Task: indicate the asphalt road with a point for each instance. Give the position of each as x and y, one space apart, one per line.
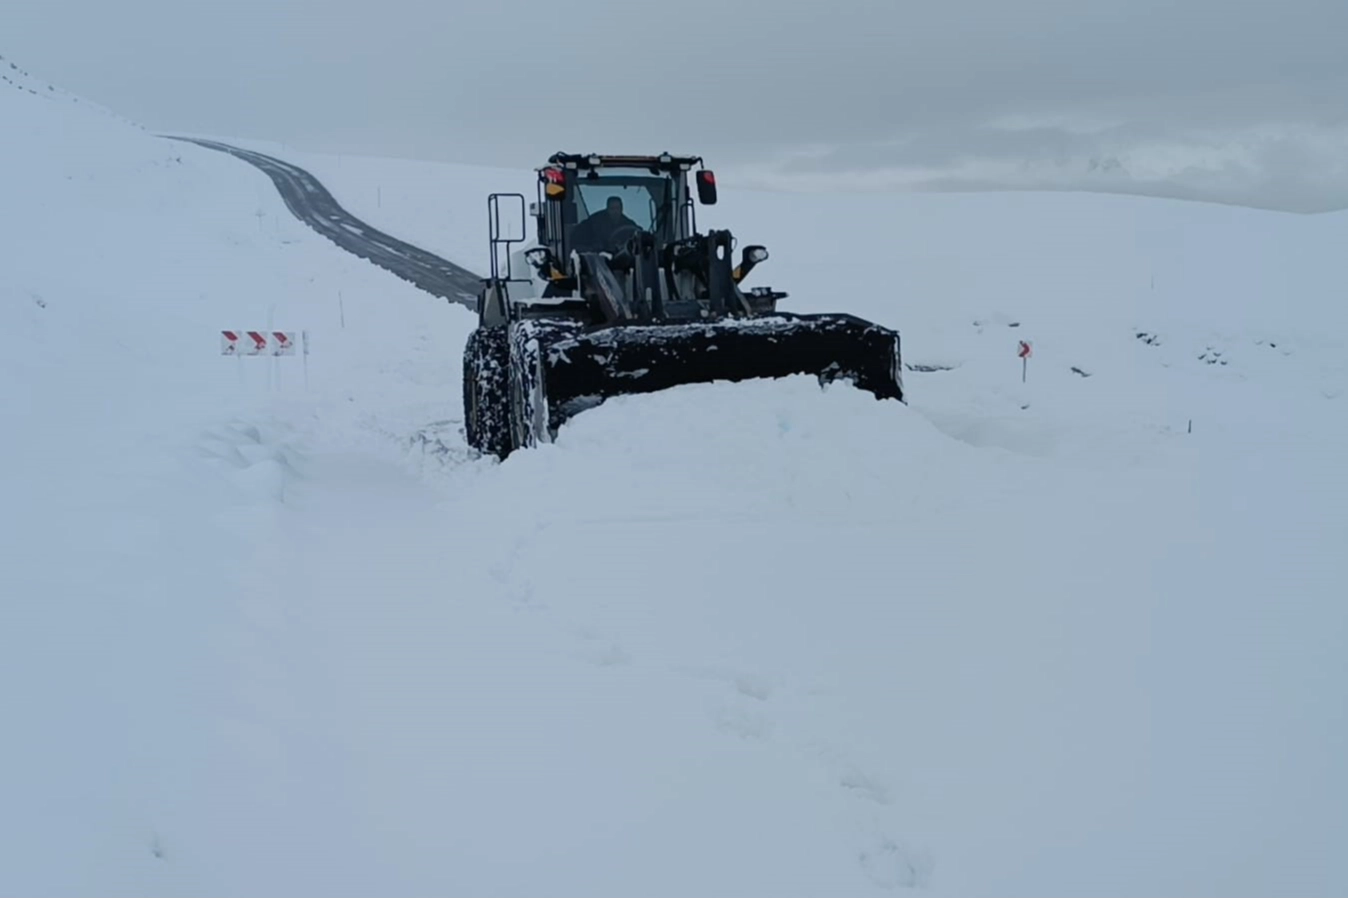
311 203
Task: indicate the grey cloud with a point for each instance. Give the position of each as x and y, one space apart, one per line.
744 82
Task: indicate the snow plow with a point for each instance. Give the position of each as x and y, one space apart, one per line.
618 293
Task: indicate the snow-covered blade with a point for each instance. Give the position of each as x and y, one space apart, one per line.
583 368
523 381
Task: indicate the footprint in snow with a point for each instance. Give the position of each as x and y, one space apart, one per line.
753 687
600 651
747 684
893 866
851 778
522 597
608 656
866 787
745 723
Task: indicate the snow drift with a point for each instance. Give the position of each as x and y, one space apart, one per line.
1078 634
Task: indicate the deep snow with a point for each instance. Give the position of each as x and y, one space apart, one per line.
762 638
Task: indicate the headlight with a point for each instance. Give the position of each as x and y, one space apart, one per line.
756 254
537 257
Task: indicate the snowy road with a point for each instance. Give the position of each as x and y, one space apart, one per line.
312 204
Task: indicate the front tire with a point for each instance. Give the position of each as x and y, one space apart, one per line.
528 391
487 414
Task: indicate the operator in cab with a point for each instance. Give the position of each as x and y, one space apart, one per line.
596 233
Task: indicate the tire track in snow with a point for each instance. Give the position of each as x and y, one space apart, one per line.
310 202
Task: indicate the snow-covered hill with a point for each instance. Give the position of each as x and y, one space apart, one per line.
1010 638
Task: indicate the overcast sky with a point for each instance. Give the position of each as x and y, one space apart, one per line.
1245 100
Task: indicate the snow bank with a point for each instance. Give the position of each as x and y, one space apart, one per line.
141 479
1026 666
1013 637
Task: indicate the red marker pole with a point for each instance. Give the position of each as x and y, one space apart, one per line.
1024 352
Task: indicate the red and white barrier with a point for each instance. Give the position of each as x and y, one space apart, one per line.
257 343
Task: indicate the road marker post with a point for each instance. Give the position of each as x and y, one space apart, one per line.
264 343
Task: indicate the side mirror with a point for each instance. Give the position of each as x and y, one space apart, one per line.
706 187
752 255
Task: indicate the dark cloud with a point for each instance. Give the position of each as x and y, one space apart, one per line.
870 84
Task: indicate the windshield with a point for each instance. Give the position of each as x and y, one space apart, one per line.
643 198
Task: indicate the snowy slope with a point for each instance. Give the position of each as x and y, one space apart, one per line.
762 638
131 680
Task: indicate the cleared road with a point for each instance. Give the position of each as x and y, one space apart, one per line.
311 203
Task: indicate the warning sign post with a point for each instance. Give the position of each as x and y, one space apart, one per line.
1024 351
265 343
258 343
